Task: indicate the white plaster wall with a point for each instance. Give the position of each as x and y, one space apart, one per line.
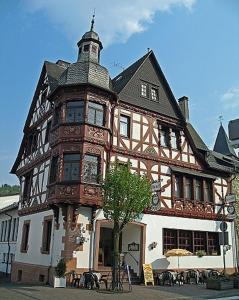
154 230
4 245
34 255
83 257
131 233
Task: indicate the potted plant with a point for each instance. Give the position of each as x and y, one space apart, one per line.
60 270
220 283
200 253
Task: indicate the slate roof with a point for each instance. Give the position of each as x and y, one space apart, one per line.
54 71
120 81
147 69
222 143
85 72
198 142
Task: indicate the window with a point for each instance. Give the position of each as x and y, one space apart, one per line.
185 240
208 191
43 96
96 114
25 236
199 241
57 116
178 186
164 137
143 89
154 94
2 230
198 190
86 48
169 239
72 166
27 186
32 143
46 235
91 168
124 125
15 229
175 139
75 111
94 49
213 243
48 128
54 169
188 188
193 241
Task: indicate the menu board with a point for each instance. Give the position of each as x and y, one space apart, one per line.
148 274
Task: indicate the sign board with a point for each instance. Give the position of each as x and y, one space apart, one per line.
221 238
133 247
148 274
230 198
231 216
156 186
223 226
155 203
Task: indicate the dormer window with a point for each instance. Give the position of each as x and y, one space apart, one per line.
143 89
86 48
154 94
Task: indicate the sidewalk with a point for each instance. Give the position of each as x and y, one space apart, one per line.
188 292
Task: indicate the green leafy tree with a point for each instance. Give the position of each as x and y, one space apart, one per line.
125 196
8 190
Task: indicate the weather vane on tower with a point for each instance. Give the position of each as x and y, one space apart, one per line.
92 21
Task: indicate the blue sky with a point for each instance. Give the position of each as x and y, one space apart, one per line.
195 41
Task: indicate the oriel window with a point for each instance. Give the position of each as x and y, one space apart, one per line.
71 167
75 111
54 169
91 168
124 125
96 113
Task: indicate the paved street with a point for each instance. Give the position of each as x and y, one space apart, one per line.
19 291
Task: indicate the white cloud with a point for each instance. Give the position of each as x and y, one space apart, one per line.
230 99
116 21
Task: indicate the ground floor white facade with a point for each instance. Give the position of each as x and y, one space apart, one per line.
142 241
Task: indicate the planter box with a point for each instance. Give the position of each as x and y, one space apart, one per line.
220 284
59 282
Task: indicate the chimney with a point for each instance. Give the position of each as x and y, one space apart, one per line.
183 104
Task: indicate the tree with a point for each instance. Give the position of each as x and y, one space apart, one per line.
125 196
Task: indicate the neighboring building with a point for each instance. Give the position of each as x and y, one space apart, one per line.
80 121
230 147
8 232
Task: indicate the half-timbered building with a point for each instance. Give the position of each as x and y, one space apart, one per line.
79 122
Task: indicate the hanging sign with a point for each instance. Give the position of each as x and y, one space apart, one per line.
148 274
231 212
230 198
155 186
133 247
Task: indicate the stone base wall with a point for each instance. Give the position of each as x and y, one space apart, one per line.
29 273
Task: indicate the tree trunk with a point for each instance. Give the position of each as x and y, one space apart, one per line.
115 270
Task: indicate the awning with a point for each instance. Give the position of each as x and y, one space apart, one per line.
191 172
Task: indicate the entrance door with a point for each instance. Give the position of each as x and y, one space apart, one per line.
106 247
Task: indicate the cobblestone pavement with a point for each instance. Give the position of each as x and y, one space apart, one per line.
188 292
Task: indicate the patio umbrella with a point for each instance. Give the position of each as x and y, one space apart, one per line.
178 253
